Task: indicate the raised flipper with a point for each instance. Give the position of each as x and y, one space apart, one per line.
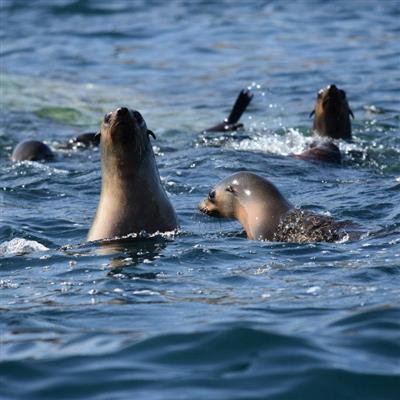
231 123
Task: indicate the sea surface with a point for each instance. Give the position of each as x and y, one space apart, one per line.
203 313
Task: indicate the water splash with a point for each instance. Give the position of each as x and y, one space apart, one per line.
293 141
20 246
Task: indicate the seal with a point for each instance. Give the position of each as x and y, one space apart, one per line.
132 197
332 114
32 150
324 151
231 123
265 214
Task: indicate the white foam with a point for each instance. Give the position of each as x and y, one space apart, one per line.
19 246
292 141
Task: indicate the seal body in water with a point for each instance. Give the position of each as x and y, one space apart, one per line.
264 212
132 197
332 114
325 151
32 150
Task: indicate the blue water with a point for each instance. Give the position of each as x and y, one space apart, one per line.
204 313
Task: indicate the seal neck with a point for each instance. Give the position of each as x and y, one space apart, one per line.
260 220
125 176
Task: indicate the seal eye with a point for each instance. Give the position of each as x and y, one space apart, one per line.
211 195
107 118
230 189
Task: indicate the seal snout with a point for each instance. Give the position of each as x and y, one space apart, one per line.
121 111
333 88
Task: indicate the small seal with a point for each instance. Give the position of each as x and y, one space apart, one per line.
132 197
332 114
232 122
32 150
265 214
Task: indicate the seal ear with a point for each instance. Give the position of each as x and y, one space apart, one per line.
151 133
311 113
351 112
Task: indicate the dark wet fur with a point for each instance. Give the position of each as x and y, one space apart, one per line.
298 226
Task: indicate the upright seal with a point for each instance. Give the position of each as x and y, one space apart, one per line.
332 114
132 196
331 121
265 214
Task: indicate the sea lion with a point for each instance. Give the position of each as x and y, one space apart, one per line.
332 114
324 151
239 107
264 212
132 197
32 150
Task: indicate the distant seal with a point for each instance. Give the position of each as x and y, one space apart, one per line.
264 212
32 150
132 196
332 114
232 122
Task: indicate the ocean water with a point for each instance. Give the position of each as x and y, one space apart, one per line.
204 313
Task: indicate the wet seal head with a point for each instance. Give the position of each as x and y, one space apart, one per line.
332 114
132 197
125 130
32 150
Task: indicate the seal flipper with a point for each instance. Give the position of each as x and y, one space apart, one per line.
241 103
239 107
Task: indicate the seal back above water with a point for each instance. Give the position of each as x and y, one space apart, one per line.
324 151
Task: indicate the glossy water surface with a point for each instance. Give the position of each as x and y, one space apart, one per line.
203 313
